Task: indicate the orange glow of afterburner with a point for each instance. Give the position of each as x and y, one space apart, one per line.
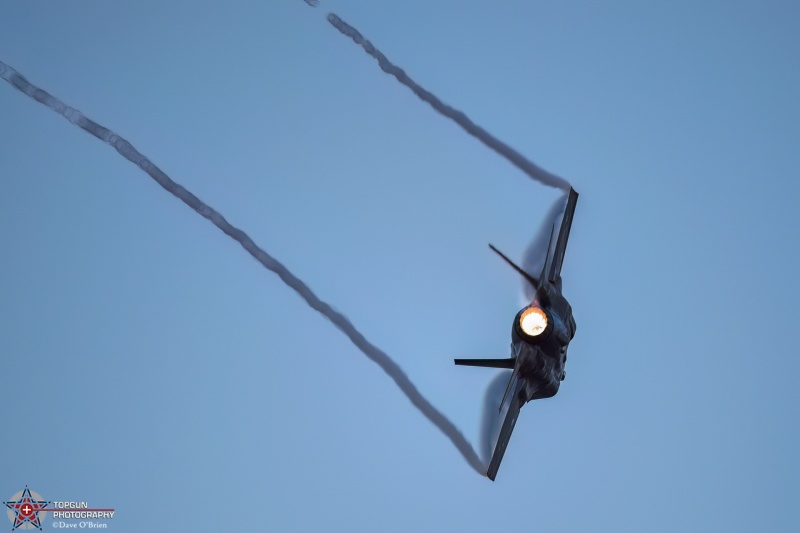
533 321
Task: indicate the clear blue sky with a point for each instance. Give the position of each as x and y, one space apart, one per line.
150 363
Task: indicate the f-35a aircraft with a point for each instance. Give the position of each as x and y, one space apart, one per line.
540 336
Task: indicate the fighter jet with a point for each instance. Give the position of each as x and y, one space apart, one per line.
540 336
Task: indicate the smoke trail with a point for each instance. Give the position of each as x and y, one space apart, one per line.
130 153
514 157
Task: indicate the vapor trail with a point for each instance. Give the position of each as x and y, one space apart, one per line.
340 321
514 157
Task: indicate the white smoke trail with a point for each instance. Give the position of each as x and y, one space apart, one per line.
339 320
514 157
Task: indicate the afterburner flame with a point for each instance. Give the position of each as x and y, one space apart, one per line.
533 321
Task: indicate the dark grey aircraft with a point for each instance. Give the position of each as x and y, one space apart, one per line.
540 336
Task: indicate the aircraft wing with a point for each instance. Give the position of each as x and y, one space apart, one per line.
563 235
505 433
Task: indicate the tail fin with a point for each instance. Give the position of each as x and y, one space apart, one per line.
510 363
533 281
488 363
557 260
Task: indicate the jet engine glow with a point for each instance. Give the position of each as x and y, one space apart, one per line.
533 321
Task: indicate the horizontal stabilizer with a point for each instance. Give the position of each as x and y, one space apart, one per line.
489 363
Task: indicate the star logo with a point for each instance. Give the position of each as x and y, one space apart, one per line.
24 509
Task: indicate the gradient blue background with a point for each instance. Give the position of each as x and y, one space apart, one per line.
151 365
